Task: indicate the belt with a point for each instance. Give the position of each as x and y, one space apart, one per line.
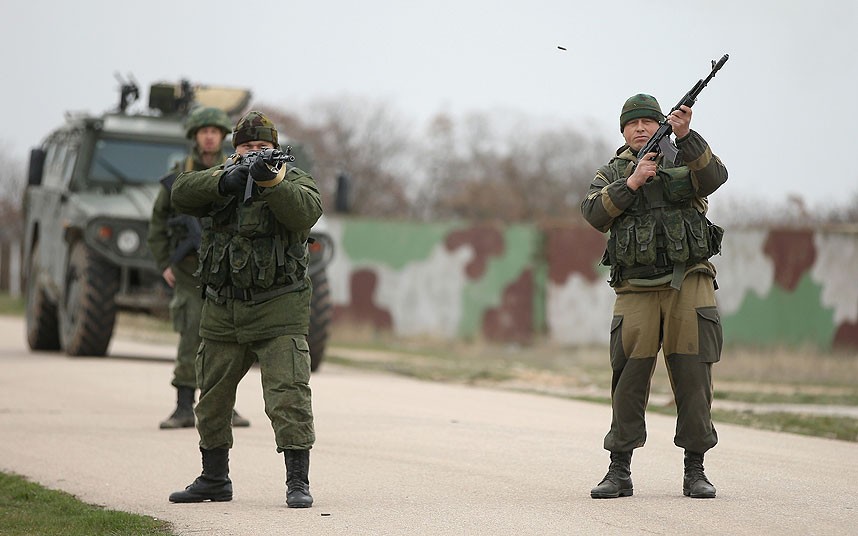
246 294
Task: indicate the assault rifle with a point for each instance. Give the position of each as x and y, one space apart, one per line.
191 242
275 158
660 141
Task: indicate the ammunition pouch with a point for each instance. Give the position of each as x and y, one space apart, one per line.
245 249
649 245
676 183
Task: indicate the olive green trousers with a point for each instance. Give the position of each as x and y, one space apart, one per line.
284 364
185 312
685 326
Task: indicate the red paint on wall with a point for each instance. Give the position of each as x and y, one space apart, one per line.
846 336
512 320
573 249
793 254
361 309
485 240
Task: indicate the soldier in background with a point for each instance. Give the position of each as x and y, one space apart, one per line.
174 239
658 249
253 266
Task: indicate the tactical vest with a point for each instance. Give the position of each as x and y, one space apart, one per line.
180 226
661 232
244 247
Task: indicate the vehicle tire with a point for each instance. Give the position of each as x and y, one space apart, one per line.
42 328
320 319
88 309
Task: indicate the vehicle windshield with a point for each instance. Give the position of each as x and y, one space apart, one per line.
134 161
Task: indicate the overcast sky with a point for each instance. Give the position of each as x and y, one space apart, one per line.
779 114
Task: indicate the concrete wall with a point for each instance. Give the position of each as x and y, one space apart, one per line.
516 282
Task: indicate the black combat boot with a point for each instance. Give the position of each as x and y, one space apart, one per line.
695 484
297 479
213 485
183 417
238 421
618 481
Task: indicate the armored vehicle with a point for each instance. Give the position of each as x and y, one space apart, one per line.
91 186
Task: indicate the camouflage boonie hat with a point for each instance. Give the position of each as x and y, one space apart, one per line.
252 127
205 117
640 105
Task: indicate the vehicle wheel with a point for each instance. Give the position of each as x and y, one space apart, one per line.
42 328
88 310
320 319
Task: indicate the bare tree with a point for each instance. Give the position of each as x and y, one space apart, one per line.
12 186
480 167
364 139
493 167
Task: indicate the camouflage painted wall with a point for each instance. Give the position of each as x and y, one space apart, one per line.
516 282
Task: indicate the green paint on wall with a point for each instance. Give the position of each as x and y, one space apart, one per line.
393 244
783 318
520 243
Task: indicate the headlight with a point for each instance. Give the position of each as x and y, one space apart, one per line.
128 241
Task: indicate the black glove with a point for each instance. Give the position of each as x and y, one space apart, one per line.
233 181
260 171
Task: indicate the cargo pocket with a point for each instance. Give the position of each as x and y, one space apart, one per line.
203 267
205 252
298 253
698 234
240 251
264 263
676 183
213 263
200 366
716 234
674 234
645 238
254 219
625 243
178 312
300 360
709 334
618 354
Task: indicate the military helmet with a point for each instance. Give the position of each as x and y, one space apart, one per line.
640 105
204 117
252 127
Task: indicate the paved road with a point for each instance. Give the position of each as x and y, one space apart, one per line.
396 456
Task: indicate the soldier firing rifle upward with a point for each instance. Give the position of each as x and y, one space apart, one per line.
652 200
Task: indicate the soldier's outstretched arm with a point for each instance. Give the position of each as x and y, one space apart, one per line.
605 200
195 191
708 173
294 199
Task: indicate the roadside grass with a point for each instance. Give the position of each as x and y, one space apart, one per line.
27 509
786 378
781 377
828 426
11 306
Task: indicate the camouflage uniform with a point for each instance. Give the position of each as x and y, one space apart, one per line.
167 229
658 250
253 264
171 234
